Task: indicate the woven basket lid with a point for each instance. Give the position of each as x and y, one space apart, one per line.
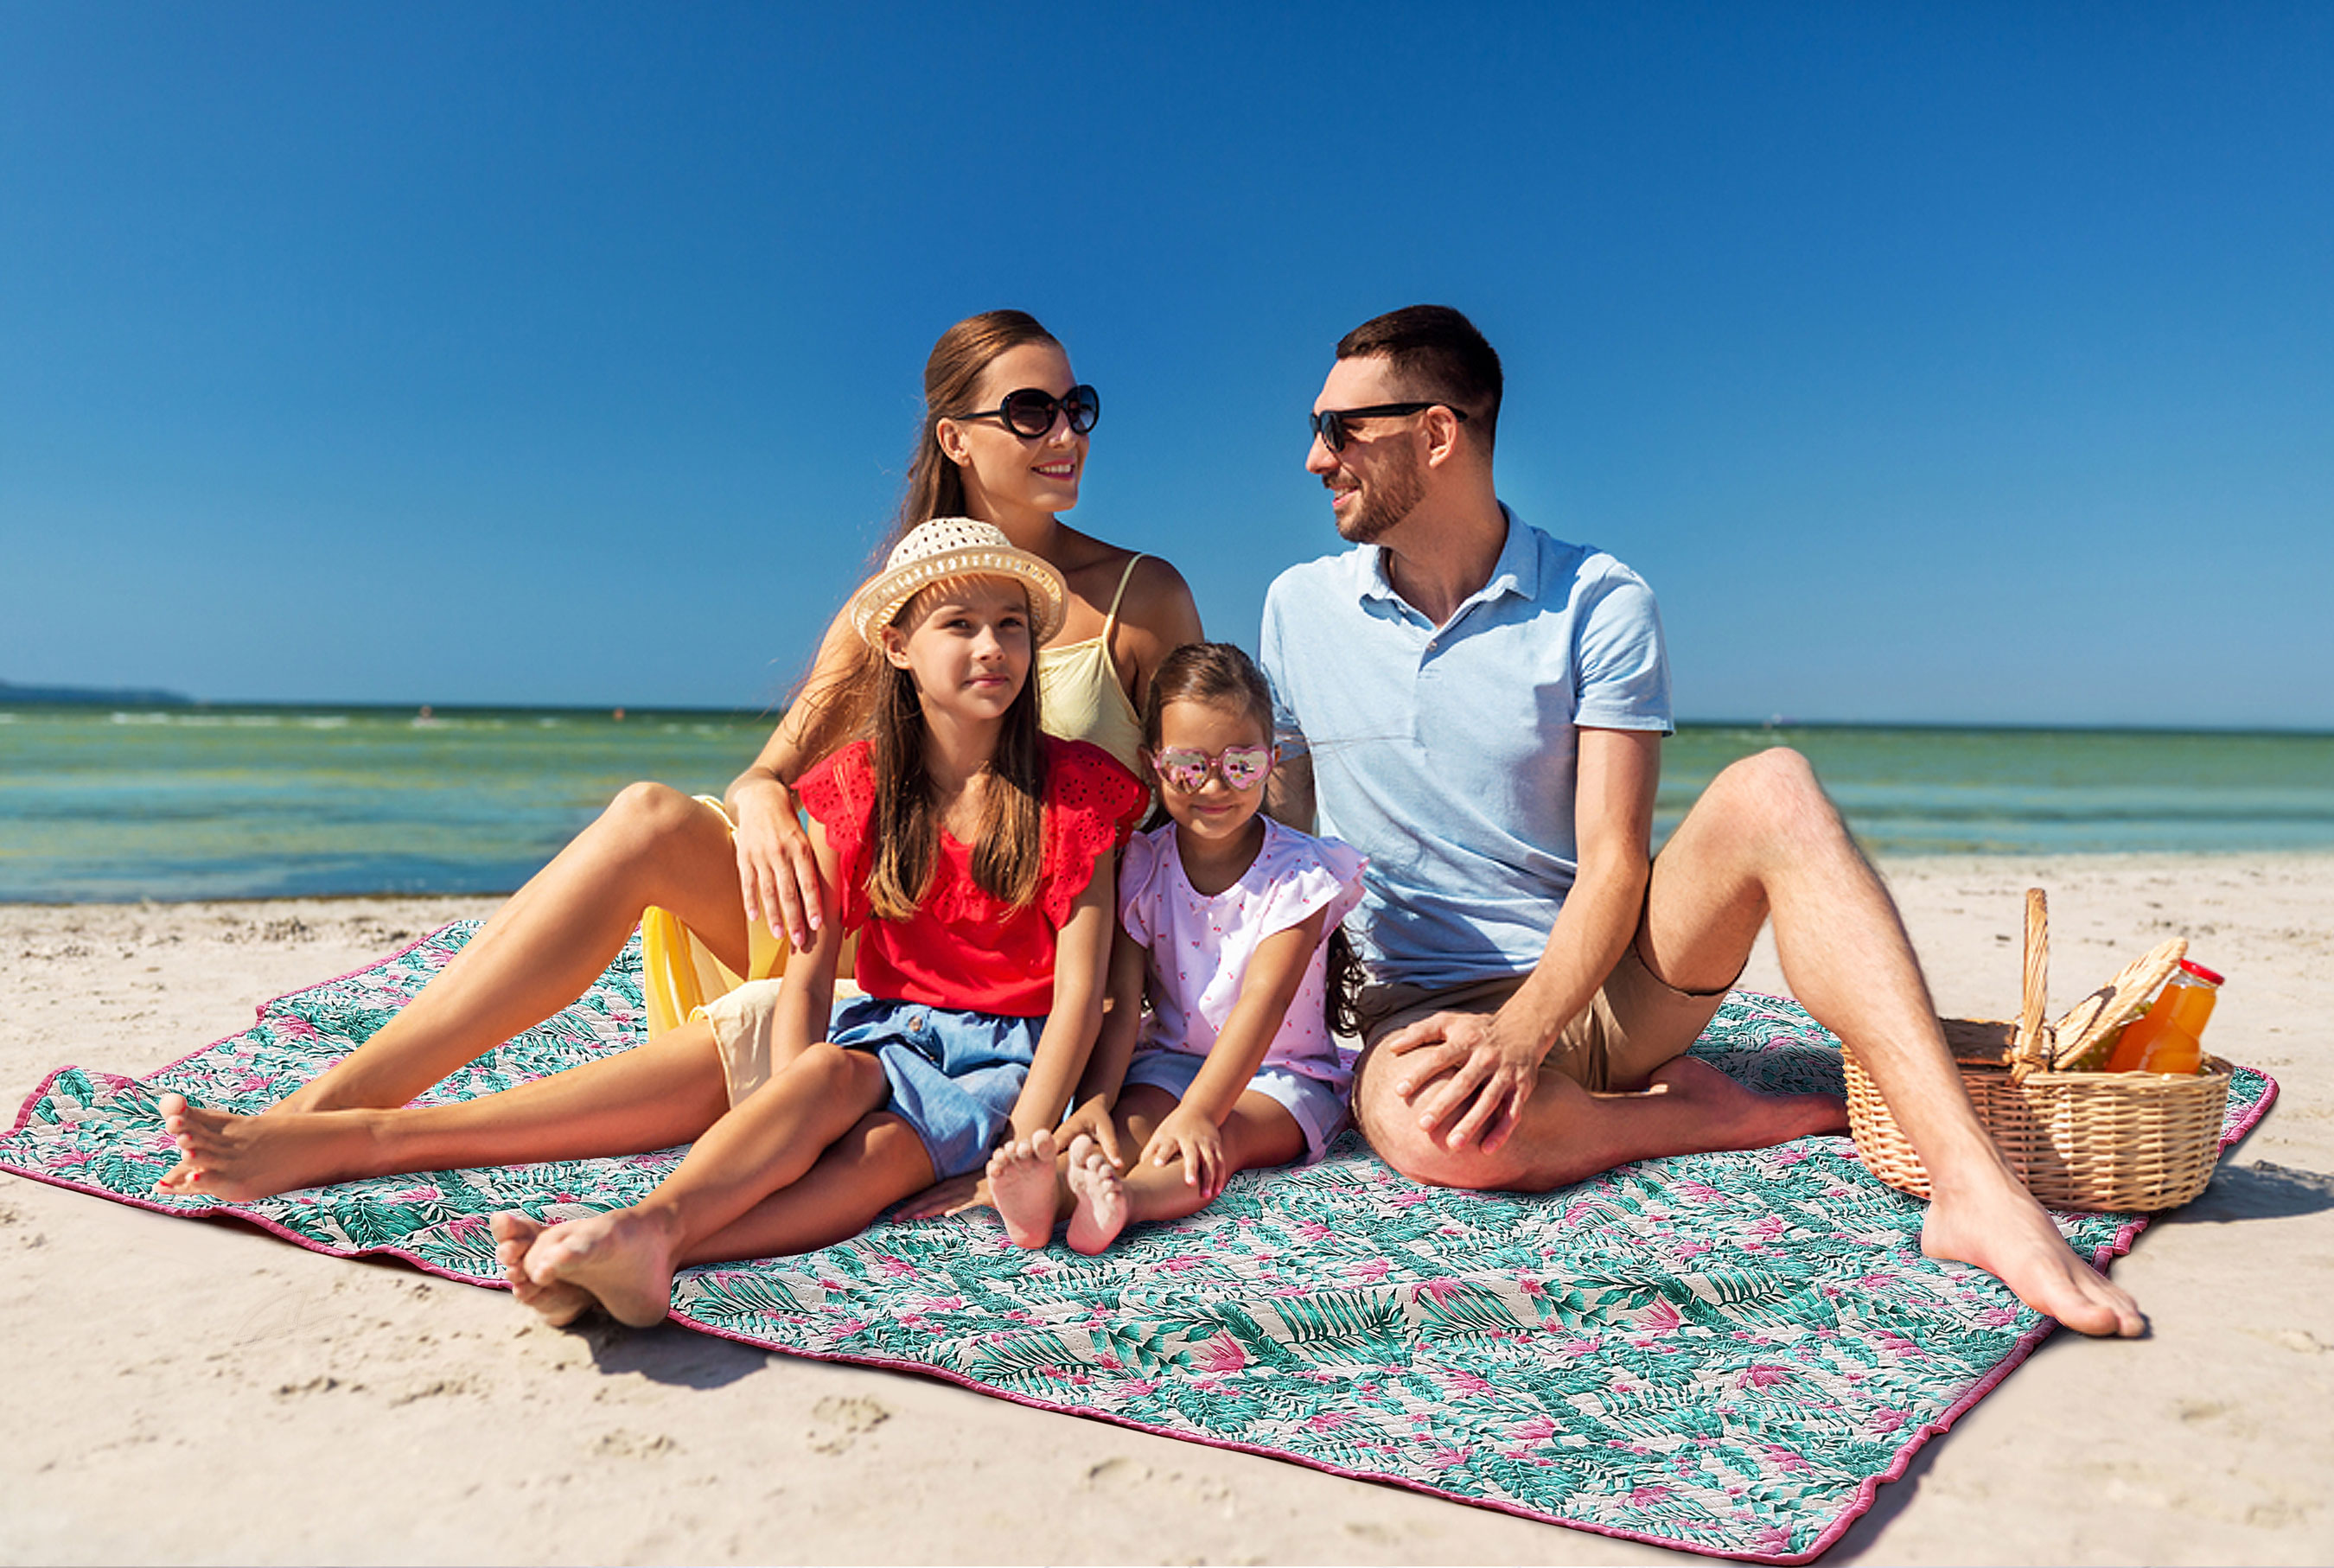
2089 1021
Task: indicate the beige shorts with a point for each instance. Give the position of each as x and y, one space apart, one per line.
1635 1023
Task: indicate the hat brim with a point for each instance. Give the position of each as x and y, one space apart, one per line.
880 600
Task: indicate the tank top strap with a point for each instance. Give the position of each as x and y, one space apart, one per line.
1110 620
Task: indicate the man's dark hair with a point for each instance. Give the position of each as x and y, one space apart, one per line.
1436 352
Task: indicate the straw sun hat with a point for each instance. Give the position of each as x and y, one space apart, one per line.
949 547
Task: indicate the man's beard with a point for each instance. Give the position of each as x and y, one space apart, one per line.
1385 500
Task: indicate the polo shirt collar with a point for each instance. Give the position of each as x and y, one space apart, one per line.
1516 572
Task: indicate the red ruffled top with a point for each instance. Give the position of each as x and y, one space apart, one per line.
964 948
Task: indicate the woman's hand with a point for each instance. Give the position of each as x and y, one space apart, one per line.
777 874
1200 1143
954 1196
1093 1119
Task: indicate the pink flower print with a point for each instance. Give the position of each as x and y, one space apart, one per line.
1581 1347
1136 1388
1373 1272
1646 1497
1533 1285
1787 1460
1183 1262
1656 1321
1443 1456
1222 1354
1888 1421
423 1194
1538 1429
1773 1540
1460 1381
1441 1290
467 1225
1994 1317
1762 1375
1312 1231
895 1267
1771 1228
1695 1189
1786 1155
937 1304
1413 1198
1693 1248
1327 1421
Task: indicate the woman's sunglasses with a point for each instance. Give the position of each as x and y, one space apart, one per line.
1029 413
1330 423
1240 766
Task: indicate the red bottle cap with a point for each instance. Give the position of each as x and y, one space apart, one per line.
2201 972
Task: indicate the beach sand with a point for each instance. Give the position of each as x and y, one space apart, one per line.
202 1393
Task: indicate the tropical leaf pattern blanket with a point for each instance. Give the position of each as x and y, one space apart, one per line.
1724 1352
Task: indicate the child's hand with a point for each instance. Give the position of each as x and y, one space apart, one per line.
1093 1119
1200 1142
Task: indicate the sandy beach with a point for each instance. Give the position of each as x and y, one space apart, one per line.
202 1393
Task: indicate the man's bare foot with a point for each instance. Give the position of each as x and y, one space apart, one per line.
557 1305
1021 1184
1742 1118
241 1158
1099 1192
622 1259
1988 1219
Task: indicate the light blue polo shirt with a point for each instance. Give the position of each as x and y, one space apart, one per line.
1449 755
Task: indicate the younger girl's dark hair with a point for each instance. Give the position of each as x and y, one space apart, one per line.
1220 673
905 822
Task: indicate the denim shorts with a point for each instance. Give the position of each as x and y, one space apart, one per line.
954 1076
1318 1105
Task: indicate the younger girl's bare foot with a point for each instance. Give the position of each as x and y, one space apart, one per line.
622 1259
241 1158
1022 1183
1100 1198
557 1305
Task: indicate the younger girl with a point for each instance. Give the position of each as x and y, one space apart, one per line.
975 851
1223 914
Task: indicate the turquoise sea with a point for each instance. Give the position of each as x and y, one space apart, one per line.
100 804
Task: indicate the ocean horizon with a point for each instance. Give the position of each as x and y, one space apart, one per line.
172 802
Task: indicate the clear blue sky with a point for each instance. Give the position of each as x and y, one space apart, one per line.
1960 362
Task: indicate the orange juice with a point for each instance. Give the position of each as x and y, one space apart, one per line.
2167 1040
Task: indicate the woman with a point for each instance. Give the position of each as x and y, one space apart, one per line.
1004 439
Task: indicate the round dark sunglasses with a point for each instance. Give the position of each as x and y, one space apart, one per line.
1330 423
1029 413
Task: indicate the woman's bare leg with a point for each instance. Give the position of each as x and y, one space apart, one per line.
654 1096
767 1143
652 846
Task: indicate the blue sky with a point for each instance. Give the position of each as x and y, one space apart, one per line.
1956 363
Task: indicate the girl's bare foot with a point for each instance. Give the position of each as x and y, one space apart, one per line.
622 1259
1988 1219
1100 1195
1021 1184
241 1158
557 1305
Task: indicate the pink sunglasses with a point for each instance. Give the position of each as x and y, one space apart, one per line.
1241 767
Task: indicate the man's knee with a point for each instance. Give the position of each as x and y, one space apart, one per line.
1389 1124
1777 791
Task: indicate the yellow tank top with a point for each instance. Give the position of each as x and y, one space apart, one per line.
1080 696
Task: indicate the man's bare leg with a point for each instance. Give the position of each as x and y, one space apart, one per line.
625 1258
1765 842
652 846
653 1096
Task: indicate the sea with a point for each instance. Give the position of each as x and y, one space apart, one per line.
169 803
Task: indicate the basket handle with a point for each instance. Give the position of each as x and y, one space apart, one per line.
2032 1051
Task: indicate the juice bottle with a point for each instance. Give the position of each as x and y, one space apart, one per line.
2167 1039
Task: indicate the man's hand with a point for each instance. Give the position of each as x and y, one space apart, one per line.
1200 1142
1093 1119
777 874
1466 1072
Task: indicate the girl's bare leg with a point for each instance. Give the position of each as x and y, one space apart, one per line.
667 1091
710 1206
652 846
1258 1132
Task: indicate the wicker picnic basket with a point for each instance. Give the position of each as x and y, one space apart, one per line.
2078 1138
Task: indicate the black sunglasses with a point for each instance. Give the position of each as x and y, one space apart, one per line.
1029 412
1330 423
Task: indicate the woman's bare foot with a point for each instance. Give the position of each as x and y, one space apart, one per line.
622 1259
557 1305
1099 1192
1022 1185
1988 1219
241 1158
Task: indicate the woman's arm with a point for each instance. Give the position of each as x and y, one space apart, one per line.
1081 964
807 1001
778 875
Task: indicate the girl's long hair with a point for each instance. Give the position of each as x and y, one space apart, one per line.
1222 674
845 710
905 823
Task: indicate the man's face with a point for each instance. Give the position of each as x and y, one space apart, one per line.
1379 478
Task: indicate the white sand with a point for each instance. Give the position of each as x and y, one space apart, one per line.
202 1393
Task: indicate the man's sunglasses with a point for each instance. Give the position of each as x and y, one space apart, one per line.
1241 766
1330 423
1029 413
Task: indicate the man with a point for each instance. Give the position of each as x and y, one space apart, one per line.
1480 709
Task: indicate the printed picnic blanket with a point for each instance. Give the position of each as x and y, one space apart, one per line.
1726 1352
